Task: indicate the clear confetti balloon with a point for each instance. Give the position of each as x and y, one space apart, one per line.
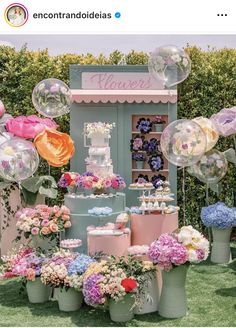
52 98
18 159
211 168
210 130
169 64
183 142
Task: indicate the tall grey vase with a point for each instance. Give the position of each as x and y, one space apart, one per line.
173 300
220 252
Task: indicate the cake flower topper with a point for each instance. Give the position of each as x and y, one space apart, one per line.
103 128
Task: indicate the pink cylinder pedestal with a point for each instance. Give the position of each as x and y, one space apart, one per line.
109 245
147 228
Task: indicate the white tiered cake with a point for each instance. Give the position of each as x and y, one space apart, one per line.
100 164
99 161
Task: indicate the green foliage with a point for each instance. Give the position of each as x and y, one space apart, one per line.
210 87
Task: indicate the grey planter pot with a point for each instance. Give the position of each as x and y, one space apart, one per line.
69 300
140 165
148 299
220 252
122 311
158 127
37 291
173 300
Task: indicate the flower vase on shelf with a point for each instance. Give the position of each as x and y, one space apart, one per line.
69 299
140 165
148 298
158 127
122 311
220 252
37 292
173 300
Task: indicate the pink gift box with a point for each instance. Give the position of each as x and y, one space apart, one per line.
109 245
147 228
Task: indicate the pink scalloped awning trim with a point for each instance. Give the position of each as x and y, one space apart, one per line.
121 96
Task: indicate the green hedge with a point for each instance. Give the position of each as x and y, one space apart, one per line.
210 87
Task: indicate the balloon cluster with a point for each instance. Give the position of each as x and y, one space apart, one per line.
189 143
19 157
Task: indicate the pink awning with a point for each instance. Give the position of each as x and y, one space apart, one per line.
121 96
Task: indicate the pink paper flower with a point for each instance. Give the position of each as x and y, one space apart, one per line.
29 126
2 109
225 121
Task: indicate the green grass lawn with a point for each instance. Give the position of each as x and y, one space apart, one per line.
211 291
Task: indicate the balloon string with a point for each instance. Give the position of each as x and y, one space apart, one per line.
184 197
207 204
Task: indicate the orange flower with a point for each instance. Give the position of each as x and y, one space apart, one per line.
67 224
53 227
45 231
65 217
54 146
30 274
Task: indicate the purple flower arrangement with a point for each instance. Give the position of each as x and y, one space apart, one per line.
152 146
186 246
144 125
167 252
156 162
142 178
138 157
157 180
136 143
92 291
218 215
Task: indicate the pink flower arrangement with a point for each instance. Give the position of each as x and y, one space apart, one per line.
2 109
90 181
170 250
25 263
68 179
43 221
29 126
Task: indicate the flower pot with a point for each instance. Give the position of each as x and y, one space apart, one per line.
140 165
71 190
158 127
122 311
37 291
220 252
69 299
148 298
173 300
43 243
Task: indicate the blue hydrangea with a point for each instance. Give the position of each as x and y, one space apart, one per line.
218 215
80 264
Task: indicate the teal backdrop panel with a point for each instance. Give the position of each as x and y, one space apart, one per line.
121 114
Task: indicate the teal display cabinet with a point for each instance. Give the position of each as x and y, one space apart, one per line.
119 94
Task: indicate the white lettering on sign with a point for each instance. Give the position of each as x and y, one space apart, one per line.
119 81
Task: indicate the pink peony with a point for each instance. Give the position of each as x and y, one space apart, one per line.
107 183
35 231
29 126
45 223
115 184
